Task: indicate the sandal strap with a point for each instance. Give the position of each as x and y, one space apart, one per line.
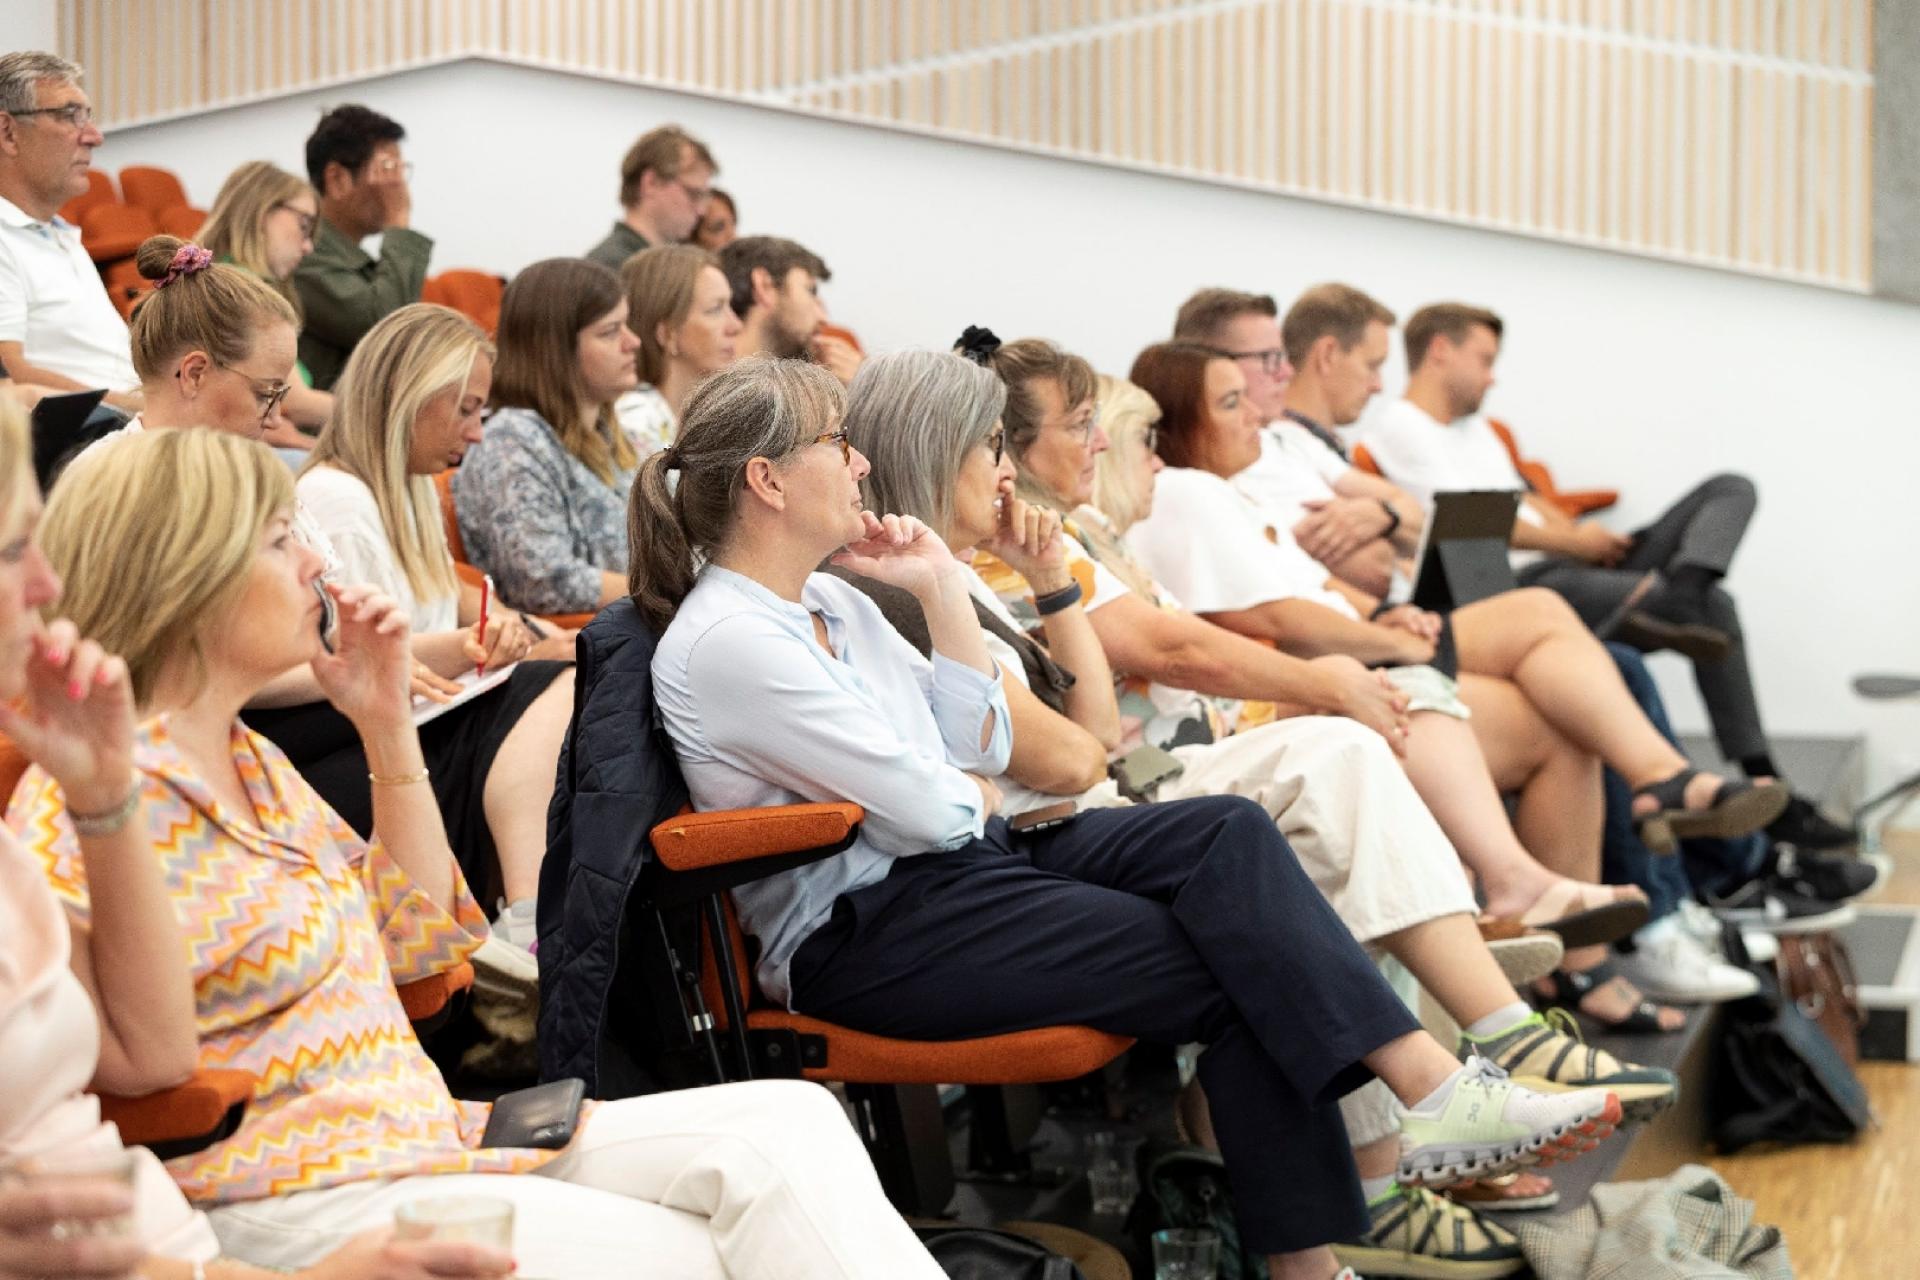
1571 986
1671 793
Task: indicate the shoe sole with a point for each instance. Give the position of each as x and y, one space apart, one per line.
1651 634
1430 1167
1516 1204
1526 959
1598 925
1740 815
1371 1260
1638 1102
1826 922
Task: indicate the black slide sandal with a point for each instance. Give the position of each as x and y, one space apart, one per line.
1739 808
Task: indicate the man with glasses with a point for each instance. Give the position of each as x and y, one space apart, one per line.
354 162
666 182
1356 524
58 328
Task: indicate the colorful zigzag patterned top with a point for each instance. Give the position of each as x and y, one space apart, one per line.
297 930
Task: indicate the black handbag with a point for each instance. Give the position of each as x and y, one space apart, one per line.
1780 1078
1186 1186
976 1253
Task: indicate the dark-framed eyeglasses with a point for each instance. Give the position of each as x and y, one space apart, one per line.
268 397
997 441
840 438
308 221
75 115
1271 361
699 196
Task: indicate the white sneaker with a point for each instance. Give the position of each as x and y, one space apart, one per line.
504 964
1669 962
1762 947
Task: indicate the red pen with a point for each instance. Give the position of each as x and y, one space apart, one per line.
486 595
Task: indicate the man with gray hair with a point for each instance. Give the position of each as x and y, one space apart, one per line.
58 328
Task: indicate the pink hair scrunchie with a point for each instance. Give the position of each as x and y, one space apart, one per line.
187 260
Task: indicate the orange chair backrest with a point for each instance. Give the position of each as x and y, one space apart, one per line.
1538 478
115 230
1363 459
13 767
152 189
443 485
474 294
183 221
99 191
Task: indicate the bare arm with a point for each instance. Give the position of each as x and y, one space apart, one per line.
1308 629
1051 753
1355 483
1370 568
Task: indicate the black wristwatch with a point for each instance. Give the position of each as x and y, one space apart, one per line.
1393 518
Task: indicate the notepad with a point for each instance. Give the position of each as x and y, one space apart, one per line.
472 685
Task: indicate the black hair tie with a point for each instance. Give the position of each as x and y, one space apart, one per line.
978 345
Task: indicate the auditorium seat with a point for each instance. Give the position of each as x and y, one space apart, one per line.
99 191
468 572
1575 502
155 190
474 294
114 231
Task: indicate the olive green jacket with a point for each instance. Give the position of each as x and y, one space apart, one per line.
345 291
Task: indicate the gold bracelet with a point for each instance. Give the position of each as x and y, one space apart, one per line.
396 779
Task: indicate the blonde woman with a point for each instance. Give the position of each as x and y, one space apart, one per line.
678 305
262 221
407 407
299 930
542 498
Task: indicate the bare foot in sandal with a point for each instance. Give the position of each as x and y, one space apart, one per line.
1597 990
1582 914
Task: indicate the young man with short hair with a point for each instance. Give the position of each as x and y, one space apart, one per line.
776 293
666 183
58 328
354 162
1659 587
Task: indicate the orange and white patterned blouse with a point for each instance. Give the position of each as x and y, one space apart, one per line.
298 930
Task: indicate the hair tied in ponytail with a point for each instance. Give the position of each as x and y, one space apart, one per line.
978 344
188 259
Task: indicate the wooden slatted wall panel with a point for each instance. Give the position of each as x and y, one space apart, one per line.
1728 132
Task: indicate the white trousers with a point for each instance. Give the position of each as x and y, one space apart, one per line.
1335 790
757 1181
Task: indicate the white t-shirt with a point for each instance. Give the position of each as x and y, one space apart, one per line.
53 304
344 509
1425 457
1218 552
1295 468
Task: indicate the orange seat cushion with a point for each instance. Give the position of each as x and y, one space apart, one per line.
424 997
153 189
184 1111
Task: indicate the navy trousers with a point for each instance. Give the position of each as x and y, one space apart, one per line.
1179 922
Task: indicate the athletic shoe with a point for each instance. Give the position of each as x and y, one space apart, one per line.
1417 1233
1769 907
504 964
1805 827
1669 963
1544 1053
1508 1193
1759 946
1814 873
1489 1125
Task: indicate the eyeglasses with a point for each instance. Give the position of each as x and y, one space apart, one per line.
997 441
1081 428
268 399
403 168
1272 360
307 220
700 196
75 115
839 438
1152 439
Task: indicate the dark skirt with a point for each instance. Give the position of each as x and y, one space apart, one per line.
459 747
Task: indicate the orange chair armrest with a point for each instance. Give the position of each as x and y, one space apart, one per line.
566 621
692 841
1584 502
184 1111
424 997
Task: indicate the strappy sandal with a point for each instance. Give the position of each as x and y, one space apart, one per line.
1570 987
1569 909
1739 808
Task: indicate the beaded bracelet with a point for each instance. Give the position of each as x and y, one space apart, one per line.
110 822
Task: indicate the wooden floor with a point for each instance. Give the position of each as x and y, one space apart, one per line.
1851 1211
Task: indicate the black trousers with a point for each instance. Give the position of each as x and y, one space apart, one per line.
1702 529
1178 922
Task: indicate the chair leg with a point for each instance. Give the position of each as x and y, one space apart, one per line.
1000 1132
907 1137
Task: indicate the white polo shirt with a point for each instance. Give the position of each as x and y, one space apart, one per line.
1425 456
53 304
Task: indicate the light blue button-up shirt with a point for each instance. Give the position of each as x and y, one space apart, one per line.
759 714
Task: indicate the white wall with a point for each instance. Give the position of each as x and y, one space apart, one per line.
29 24
1620 372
